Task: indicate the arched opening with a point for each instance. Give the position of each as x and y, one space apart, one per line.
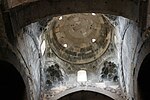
143 79
12 86
85 95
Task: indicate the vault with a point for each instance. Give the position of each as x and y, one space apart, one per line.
24 12
75 44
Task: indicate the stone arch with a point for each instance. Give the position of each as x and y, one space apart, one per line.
12 57
143 53
106 93
87 95
25 13
143 79
12 85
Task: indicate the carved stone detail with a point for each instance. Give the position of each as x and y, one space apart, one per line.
109 72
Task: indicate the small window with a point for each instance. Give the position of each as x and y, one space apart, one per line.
43 47
81 76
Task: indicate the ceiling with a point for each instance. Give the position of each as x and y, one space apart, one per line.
80 38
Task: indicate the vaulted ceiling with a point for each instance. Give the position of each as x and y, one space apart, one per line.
21 11
63 46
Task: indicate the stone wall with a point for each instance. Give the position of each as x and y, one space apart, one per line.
130 40
10 54
28 44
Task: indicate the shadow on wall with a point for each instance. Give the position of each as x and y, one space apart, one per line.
143 79
12 86
85 95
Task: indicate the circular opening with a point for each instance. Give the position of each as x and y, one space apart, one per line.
93 40
143 79
85 95
12 86
65 45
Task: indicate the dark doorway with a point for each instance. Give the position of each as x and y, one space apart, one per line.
85 95
12 86
144 79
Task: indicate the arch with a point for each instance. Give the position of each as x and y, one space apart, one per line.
85 95
9 55
144 51
143 79
12 85
25 13
109 94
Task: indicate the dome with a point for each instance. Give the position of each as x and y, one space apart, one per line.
80 38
